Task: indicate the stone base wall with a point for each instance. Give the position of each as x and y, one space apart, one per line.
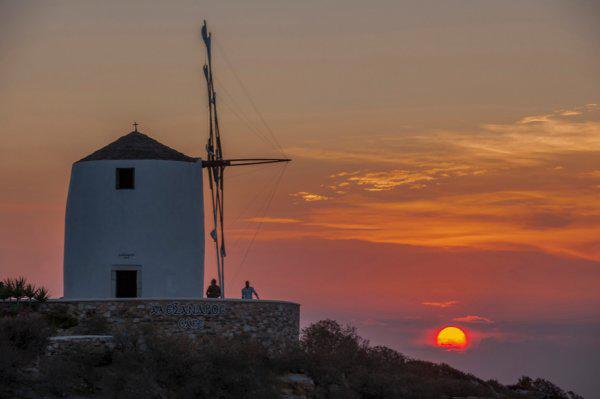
99 344
273 323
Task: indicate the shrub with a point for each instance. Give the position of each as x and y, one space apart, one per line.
27 332
333 350
22 339
74 371
212 367
525 383
548 389
4 292
29 291
59 317
41 294
19 288
177 367
9 287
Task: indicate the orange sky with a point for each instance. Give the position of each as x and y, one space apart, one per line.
446 157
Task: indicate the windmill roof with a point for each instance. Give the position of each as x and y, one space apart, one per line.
136 145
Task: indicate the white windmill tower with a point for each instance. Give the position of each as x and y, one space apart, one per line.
134 222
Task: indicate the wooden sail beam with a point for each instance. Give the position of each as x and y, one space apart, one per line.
241 162
215 164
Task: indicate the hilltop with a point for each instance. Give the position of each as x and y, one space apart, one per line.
330 361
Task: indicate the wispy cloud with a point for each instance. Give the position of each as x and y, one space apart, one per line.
570 112
473 319
528 140
593 173
344 226
445 304
272 220
388 180
310 197
380 181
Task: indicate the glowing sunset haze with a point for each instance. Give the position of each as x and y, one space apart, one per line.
446 158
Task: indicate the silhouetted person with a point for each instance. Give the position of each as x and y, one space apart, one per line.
247 291
213 290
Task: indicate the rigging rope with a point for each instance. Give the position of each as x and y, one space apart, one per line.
241 116
247 93
250 203
268 204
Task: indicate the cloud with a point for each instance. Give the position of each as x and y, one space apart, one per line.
593 174
344 226
337 155
272 220
547 220
473 319
495 187
529 140
388 180
445 304
419 177
535 137
309 197
554 221
534 119
380 181
570 113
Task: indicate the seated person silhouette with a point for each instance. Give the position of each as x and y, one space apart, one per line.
213 290
247 291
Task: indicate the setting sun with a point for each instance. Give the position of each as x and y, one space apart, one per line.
451 338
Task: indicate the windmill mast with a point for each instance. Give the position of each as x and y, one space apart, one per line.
214 154
215 164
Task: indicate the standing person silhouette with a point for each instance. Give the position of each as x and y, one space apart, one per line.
213 290
247 291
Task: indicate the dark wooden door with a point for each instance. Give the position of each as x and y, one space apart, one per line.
126 284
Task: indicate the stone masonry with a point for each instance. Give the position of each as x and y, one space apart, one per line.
275 324
100 344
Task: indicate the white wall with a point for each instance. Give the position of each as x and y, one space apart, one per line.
159 224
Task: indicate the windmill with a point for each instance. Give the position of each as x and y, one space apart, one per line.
215 164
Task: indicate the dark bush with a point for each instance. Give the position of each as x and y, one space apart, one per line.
219 367
333 351
41 294
78 371
18 288
22 339
4 291
177 367
27 332
59 317
292 360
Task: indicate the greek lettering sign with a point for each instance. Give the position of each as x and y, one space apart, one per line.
190 323
187 311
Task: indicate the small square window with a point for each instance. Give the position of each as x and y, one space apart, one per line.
125 178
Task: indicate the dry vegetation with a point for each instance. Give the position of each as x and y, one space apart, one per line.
341 363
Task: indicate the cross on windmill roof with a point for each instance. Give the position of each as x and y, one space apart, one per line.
136 145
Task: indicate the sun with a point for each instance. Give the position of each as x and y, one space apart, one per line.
451 338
